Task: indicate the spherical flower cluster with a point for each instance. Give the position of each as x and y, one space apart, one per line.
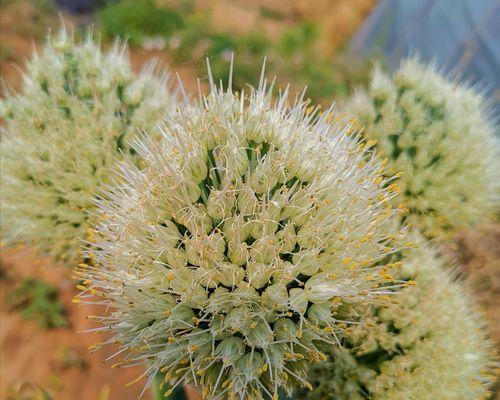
428 343
77 109
436 133
225 258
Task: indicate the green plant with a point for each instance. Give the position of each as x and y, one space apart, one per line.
38 301
249 51
185 44
225 259
271 13
192 39
136 20
69 358
428 342
5 53
28 391
298 57
78 108
299 40
437 134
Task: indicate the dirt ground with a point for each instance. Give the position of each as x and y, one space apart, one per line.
59 360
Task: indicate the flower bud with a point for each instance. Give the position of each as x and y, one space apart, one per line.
230 274
197 165
220 204
236 229
287 238
181 317
238 253
239 319
250 365
258 274
259 335
247 201
285 329
306 262
175 258
298 300
230 350
320 314
276 296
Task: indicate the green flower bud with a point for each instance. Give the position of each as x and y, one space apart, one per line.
320 314
285 329
259 335
230 274
230 350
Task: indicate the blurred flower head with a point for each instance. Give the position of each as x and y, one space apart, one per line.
225 259
77 110
435 133
428 341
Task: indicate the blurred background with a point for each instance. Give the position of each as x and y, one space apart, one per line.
330 45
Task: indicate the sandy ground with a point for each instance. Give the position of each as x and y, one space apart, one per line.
58 359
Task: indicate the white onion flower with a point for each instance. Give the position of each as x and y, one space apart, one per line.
225 258
436 133
77 110
428 342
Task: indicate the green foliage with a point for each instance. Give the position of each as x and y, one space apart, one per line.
41 6
299 39
249 52
38 301
190 39
271 13
5 53
136 20
326 78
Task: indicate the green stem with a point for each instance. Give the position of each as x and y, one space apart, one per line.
155 387
159 394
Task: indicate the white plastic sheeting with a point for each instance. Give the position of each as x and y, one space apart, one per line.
461 36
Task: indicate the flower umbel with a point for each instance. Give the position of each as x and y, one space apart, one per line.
225 259
436 134
77 110
428 342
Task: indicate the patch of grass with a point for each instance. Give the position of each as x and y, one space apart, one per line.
38 301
